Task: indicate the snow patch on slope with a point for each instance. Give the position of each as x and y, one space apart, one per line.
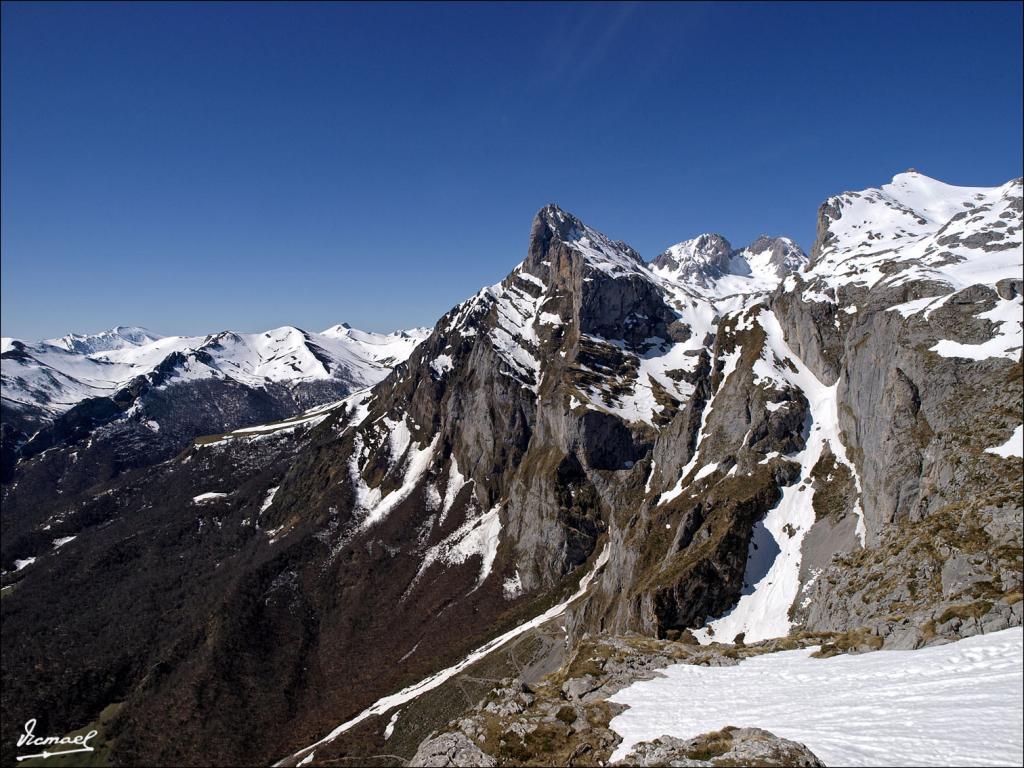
1014 447
202 498
479 536
451 490
1008 318
268 499
374 505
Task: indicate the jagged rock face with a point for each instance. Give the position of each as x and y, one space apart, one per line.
722 465
908 425
926 350
745 436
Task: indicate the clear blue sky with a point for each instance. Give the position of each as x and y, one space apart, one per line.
193 167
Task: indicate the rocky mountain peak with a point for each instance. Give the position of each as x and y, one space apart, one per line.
558 223
709 264
709 253
220 338
559 234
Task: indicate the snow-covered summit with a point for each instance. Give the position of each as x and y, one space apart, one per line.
919 228
612 257
711 267
705 256
395 346
344 330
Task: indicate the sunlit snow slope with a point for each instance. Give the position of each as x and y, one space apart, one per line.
956 704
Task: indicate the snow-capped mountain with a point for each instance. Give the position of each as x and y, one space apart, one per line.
593 466
127 397
917 230
56 374
711 267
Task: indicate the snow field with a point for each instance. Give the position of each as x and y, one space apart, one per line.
955 704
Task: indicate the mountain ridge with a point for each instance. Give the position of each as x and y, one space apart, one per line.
356 355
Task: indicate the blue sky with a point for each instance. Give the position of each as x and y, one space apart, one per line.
197 167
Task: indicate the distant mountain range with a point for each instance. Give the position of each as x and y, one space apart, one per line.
54 375
66 389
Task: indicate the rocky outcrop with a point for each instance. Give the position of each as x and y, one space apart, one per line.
450 750
953 574
729 746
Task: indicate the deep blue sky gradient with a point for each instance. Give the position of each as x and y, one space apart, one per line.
193 167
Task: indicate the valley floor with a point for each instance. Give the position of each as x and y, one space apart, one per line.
955 704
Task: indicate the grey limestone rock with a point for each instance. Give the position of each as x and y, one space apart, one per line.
730 746
451 750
